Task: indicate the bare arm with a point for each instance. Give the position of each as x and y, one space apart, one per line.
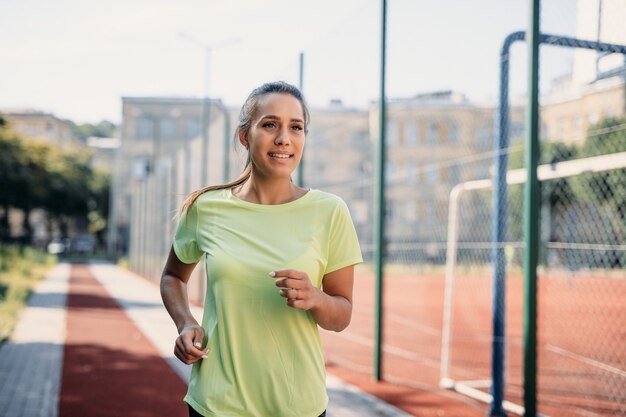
331 307
176 274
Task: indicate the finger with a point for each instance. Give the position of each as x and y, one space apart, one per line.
298 304
289 273
283 282
198 338
190 347
180 354
290 293
291 283
187 357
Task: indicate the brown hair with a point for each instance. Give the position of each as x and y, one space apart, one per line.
246 116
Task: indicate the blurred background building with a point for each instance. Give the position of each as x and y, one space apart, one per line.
42 126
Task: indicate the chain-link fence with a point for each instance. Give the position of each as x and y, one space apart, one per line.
438 316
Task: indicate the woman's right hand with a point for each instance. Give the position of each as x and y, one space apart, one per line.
188 346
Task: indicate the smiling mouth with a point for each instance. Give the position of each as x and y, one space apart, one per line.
280 155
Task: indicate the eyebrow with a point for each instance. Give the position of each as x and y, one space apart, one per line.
272 117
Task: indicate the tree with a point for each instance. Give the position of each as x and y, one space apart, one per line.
104 129
13 174
38 175
558 193
606 137
607 190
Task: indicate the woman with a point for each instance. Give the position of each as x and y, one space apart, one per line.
279 260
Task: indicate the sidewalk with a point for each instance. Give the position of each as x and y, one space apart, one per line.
103 342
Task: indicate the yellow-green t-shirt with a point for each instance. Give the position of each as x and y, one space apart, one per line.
265 359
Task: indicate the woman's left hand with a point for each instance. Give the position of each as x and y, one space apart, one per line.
297 288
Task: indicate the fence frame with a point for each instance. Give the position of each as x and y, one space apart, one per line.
545 172
500 196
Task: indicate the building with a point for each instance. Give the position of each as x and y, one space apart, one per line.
41 126
567 114
157 165
434 142
598 20
338 158
595 89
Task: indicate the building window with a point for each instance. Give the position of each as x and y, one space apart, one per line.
144 128
412 171
410 211
577 126
453 133
560 129
192 128
390 172
358 139
454 174
485 135
432 134
431 172
442 210
431 211
168 128
392 132
410 136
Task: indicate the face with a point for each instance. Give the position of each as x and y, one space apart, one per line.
276 136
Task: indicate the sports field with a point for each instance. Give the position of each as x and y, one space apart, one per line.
581 337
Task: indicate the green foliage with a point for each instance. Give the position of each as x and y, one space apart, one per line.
98 204
608 188
20 269
586 208
558 192
607 137
104 129
62 182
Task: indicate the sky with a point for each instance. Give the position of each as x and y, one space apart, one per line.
77 58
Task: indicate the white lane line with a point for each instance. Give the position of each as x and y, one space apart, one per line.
409 323
393 350
585 360
403 321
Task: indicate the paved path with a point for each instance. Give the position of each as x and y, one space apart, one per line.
32 362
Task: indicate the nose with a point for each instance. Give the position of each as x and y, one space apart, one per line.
283 137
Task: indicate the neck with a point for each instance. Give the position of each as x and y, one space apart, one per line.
264 191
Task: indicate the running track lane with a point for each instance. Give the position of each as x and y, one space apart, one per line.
110 368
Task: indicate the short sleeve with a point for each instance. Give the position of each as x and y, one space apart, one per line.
344 249
185 242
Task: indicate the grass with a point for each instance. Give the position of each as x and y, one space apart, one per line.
20 270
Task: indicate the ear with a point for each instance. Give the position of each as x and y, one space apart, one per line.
243 140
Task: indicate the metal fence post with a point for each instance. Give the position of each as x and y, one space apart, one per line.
379 234
531 215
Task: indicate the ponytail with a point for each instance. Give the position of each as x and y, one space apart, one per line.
191 198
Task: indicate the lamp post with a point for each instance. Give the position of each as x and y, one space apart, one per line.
206 105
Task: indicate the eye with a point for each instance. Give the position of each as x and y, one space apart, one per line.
269 125
297 127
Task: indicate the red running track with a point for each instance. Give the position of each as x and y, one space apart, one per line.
110 368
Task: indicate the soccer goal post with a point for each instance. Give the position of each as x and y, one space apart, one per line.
478 388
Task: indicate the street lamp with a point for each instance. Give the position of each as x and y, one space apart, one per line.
206 107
